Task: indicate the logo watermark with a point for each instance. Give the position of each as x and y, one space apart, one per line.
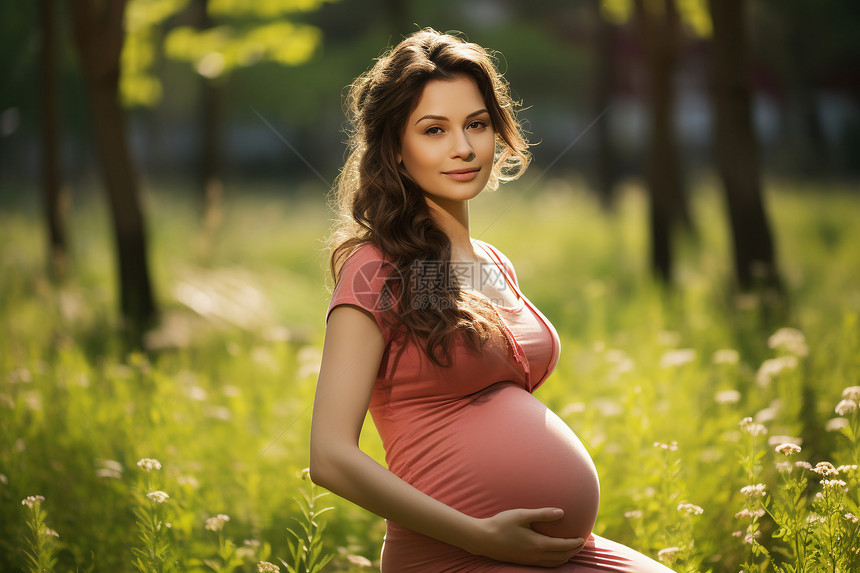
378 284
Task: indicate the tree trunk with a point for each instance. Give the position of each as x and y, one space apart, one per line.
659 30
209 172
737 149
56 197
606 162
99 36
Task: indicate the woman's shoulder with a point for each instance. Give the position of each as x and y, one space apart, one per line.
495 251
365 258
366 280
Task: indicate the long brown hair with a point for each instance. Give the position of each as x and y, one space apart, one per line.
377 201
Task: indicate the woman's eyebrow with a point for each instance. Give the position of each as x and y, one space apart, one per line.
443 118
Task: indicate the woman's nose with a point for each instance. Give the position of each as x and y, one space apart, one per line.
462 147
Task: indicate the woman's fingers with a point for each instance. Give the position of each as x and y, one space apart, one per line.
542 514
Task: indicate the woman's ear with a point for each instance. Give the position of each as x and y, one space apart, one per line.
399 159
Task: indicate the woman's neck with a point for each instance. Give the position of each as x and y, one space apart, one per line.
453 218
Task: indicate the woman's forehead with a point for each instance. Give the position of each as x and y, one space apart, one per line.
451 99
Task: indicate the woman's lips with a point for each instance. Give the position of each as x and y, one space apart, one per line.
462 174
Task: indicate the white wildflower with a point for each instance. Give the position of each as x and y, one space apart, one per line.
804 465
726 356
767 414
32 500
851 393
757 490
773 367
633 514
157 496
668 554
149 464
789 339
217 523
787 449
109 469
231 391
851 517
266 567
835 424
197 393
189 481
727 397
783 467
825 469
690 509
746 513
752 428
670 447
359 560
845 407
51 532
780 439
833 483
750 537
847 468
674 358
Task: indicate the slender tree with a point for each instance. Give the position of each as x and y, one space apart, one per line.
209 170
55 199
99 33
737 149
606 164
659 28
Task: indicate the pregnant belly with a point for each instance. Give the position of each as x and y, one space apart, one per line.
503 449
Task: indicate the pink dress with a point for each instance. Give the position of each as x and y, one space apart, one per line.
473 436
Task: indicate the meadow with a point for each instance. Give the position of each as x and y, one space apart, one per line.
726 435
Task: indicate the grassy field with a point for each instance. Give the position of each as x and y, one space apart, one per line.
656 383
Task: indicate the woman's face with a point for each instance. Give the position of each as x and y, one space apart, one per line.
448 143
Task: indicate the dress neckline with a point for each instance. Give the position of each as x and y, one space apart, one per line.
520 299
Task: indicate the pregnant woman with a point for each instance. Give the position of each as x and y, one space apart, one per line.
427 327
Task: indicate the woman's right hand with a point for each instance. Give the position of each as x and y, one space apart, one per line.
508 536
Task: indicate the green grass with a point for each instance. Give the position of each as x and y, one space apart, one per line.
223 401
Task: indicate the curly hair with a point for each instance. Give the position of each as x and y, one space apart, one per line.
377 202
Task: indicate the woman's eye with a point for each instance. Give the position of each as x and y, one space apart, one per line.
433 130
477 124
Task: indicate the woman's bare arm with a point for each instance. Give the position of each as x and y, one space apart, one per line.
351 357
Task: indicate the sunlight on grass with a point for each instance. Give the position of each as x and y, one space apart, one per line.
655 384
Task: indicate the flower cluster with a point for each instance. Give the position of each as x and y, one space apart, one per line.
845 407
825 469
690 509
787 449
32 501
726 356
148 465
670 447
753 491
752 428
217 523
789 339
266 567
157 496
773 367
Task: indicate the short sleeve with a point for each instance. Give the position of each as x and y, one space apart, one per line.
367 281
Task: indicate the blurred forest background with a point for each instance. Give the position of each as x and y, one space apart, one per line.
164 168
215 94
